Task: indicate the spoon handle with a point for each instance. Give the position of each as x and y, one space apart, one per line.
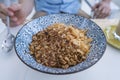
8 3
8 24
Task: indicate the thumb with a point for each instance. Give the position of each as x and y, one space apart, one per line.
95 6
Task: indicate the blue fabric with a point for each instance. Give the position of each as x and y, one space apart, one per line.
57 6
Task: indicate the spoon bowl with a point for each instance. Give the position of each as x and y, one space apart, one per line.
8 43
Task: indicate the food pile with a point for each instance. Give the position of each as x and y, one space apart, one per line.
60 46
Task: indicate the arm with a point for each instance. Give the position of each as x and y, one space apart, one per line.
27 6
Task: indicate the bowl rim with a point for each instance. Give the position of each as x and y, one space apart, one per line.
50 67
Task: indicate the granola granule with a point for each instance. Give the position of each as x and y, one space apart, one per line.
60 46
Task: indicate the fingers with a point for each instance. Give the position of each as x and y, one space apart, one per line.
104 13
2 16
96 10
15 7
96 6
13 19
4 10
102 10
96 13
16 18
12 23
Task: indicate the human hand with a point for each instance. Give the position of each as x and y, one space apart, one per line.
15 13
101 9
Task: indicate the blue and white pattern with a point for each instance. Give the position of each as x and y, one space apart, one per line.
24 38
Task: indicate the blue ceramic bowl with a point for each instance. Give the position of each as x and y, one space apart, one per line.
24 38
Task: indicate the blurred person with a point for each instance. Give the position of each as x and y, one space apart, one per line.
19 12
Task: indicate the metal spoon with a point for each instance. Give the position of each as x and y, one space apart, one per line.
8 43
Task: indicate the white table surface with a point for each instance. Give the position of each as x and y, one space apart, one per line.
108 68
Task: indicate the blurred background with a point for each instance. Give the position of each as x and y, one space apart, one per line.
117 2
115 8
86 10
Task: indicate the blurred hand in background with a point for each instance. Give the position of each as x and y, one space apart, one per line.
102 9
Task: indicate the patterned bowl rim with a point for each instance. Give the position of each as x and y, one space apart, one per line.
66 72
